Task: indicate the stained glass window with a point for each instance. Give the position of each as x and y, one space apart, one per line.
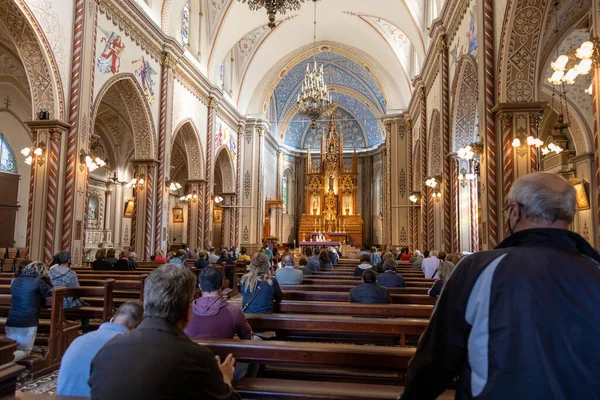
7 157
185 25
285 193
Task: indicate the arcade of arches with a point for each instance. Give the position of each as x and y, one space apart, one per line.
156 123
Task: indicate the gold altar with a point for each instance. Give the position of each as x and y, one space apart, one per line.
331 191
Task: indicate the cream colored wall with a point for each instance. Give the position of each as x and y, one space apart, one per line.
186 106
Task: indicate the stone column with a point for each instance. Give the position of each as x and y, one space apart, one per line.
260 201
118 216
211 126
445 132
279 191
141 223
195 212
163 168
42 221
107 209
427 239
387 187
229 201
239 185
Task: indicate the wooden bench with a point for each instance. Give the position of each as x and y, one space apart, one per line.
347 288
310 280
344 297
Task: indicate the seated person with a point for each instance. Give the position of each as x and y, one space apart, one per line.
179 257
123 263
225 258
390 278
324 260
419 263
379 267
370 292
430 266
159 257
313 264
365 264
304 266
288 275
413 259
333 256
202 261
111 256
75 365
444 271
404 255
100 263
158 360
259 290
133 259
244 255
29 293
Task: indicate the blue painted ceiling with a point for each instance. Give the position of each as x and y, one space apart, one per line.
355 117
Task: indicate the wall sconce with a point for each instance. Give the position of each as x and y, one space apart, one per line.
38 152
193 197
139 182
90 161
414 197
174 186
464 178
433 182
218 199
437 196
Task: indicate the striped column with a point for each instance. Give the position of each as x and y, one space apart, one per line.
508 159
134 215
446 177
259 192
456 205
388 187
52 185
238 175
534 121
488 69
596 112
210 127
425 197
30 208
412 242
200 215
474 213
149 214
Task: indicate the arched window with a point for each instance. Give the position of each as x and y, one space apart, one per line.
185 25
285 193
7 157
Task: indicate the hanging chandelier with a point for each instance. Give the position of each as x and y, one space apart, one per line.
273 7
314 100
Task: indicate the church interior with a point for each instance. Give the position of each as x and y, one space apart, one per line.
158 125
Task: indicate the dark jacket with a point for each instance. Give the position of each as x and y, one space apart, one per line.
358 271
436 289
215 318
225 260
28 296
156 361
334 258
123 264
201 264
101 265
369 293
111 260
313 264
522 318
324 265
391 279
263 301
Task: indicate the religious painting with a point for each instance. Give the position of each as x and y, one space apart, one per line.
472 34
93 211
144 74
110 59
581 197
226 137
129 205
177 215
217 216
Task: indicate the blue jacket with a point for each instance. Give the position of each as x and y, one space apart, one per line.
391 279
75 366
263 301
518 322
313 264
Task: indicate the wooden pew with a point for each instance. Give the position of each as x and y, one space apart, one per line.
338 328
344 297
8 376
347 288
310 280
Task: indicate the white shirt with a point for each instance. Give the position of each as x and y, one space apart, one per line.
430 266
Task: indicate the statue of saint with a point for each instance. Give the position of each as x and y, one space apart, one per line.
331 182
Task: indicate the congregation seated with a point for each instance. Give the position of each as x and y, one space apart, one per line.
289 275
196 254
100 263
375 258
379 268
389 278
333 256
312 264
179 257
157 360
415 257
212 257
123 263
133 260
430 265
259 290
404 255
75 365
365 264
324 260
444 271
225 258
159 257
369 292
303 262
244 255
29 292
111 256
202 261
419 263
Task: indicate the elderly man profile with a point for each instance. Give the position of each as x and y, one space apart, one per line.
75 365
520 321
288 275
158 360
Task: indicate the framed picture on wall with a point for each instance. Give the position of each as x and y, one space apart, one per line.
581 195
177 215
129 205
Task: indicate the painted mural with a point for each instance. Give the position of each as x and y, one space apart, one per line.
144 74
226 137
110 59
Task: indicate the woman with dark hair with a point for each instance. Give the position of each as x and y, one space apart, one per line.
28 295
324 260
370 292
259 290
123 264
100 263
62 275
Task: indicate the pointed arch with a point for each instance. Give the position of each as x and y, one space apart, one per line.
193 148
224 162
138 110
464 110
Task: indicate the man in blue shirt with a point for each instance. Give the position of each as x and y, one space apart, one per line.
75 366
313 264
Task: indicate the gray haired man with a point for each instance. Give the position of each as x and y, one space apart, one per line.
158 360
520 321
288 275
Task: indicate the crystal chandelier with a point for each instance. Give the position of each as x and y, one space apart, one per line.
314 100
273 7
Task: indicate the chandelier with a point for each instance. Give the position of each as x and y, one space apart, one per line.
273 7
314 100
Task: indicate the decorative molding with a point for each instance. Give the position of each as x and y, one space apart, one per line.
402 182
247 183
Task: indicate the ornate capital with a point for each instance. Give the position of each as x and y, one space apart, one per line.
442 43
409 124
167 60
422 93
506 118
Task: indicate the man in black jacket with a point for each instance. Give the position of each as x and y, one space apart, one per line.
158 360
520 321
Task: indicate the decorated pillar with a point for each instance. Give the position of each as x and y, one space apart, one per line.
195 212
141 223
279 191
228 228
163 167
81 124
239 184
446 134
595 33
42 220
427 240
211 127
387 187
260 201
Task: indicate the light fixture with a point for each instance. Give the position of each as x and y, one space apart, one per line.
465 177
432 182
436 195
90 161
174 186
273 7
191 196
137 182
579 61
314 100
589 90
516 142
36 152
218 199
414 197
